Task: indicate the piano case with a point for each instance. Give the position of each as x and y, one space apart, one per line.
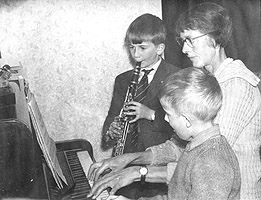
23 170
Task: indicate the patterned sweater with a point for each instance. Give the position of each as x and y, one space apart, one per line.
240 122
207 169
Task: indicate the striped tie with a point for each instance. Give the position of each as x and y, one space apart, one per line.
143 87
141 92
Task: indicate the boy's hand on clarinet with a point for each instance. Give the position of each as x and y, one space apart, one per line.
138 110
132 109
116 129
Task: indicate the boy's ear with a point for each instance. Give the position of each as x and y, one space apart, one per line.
160 49
187 120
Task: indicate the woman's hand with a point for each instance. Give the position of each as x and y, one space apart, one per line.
115 181
114 164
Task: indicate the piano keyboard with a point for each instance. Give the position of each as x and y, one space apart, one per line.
79 164
86 163
82 186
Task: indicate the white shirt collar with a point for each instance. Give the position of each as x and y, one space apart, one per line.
152 73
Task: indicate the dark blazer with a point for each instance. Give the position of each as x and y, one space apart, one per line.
150 132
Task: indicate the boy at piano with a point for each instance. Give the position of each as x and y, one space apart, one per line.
145 44
208 167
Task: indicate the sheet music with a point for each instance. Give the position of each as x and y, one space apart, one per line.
86 162
46 143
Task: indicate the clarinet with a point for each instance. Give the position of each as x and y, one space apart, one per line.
118 148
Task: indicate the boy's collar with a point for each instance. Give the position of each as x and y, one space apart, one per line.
154 67
202 137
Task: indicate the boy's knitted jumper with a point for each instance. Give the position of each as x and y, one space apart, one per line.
207 171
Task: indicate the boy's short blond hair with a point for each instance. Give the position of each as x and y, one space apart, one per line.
193 91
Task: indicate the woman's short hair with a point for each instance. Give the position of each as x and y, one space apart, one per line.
207 18
146 27
194 91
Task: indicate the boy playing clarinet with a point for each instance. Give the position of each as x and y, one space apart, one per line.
145 44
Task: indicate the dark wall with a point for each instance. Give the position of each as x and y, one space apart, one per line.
245 43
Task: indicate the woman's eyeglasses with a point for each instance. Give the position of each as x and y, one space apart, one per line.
189 41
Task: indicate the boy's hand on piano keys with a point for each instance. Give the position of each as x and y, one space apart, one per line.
113 164
115 181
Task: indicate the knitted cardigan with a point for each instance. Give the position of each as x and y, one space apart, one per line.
207 170
240 122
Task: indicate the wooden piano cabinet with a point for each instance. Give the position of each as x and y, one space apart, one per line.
80 144
20 156
24 173
18 162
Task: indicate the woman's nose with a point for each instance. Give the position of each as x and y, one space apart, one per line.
186 48
166 118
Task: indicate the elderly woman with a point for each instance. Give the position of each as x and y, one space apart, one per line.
204 31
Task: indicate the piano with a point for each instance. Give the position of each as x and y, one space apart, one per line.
24 172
